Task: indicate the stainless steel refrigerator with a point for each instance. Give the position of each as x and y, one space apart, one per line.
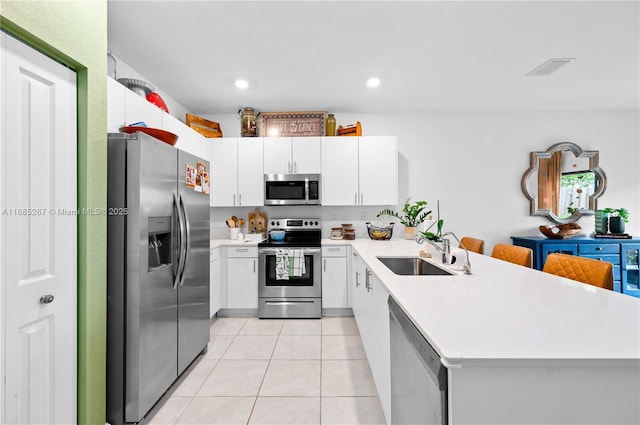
157 270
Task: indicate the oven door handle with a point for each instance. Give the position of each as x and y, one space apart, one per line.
275 250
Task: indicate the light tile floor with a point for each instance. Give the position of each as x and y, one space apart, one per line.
276 372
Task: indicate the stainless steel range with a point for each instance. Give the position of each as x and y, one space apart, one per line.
290 276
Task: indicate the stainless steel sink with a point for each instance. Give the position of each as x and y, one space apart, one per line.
413 266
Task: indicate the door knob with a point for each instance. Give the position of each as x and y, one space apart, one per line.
46 299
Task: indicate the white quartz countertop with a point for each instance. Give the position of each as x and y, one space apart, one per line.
510 314
215 243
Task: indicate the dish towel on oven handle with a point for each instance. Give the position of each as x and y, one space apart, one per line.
282 264
289 262
296 263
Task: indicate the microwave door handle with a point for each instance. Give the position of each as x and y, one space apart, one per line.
306 190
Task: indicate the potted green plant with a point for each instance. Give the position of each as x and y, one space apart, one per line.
411 216
618 217
437 236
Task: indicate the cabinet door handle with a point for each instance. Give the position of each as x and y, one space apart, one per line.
324 265
356 199
362 199
354 254
288 166
240 199
367 285
234 199
254 266
357 279
295 167
598 248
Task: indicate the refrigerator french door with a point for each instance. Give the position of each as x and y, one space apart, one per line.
157 271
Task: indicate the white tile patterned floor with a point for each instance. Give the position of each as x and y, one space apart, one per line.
276 372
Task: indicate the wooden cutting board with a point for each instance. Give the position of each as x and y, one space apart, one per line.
257 222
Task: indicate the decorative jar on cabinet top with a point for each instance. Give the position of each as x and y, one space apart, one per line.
330 125
249 119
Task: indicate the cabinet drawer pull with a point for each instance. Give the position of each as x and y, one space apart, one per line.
242 249
334 249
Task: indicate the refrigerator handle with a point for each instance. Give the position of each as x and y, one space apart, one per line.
176 205
187 238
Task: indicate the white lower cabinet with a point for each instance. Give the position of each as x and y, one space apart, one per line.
335 286
372 316
214 281
242 277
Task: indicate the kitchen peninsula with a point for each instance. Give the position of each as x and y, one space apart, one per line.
520 346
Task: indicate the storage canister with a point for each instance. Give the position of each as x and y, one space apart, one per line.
249 120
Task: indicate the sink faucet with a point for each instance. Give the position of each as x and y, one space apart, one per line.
445 249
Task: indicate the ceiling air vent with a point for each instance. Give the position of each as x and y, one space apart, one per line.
550 66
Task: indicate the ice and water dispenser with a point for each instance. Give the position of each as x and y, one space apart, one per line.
159 242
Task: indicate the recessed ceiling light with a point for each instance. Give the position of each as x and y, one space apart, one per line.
373 82
242 84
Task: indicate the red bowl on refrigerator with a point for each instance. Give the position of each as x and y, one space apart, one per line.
163 135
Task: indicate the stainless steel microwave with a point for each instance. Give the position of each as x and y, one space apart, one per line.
292 189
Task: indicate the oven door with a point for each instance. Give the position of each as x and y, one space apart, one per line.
306 286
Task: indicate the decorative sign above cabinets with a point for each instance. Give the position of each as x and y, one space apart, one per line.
291 124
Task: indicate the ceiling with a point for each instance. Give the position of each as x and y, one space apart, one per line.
430 55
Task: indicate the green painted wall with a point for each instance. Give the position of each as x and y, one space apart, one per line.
75 33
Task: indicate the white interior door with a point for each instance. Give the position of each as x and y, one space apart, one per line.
38 237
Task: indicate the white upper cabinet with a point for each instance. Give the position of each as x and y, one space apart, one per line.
340 171
360 170
115 105
292 155
250 173
306 155
378 170
224 172
188 139
236 172
277 155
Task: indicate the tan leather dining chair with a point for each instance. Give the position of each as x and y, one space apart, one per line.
472 244
587 270
513 254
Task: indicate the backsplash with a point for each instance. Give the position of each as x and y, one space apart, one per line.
330 216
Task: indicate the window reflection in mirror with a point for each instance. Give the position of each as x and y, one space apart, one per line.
575 189
563 182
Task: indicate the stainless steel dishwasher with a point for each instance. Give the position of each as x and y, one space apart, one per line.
418 378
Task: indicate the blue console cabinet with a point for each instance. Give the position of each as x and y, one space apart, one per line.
622 253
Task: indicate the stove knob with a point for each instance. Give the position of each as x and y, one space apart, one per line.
278 223
316 223
306 223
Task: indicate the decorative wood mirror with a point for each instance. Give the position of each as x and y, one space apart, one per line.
564 182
